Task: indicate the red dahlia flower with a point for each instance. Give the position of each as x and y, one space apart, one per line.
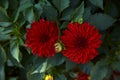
83 76
115 74
41 38
81 41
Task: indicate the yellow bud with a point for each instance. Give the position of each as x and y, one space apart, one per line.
48 77
80 20
58 47
89 78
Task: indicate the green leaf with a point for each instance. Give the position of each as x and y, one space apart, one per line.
101 21
35 64
115 35
64 25
2 56
3 15
99 71
50 13
4 3
86 67
5 24
75 3
39 10
14 49
66 14
109 73
13 5
2 61
13 9
28 26
69 65
29 15
73 75
16 15
42 68
61 4
2 72
12 78
24 4
98 3
116 66
87 13
61 77
56 60
78 13
4 34
74 15
36 76
4 37
38 7
21 20
111 9
3 31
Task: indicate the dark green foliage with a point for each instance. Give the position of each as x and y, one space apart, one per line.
17 61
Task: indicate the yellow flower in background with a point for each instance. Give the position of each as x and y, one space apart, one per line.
48 77
89 78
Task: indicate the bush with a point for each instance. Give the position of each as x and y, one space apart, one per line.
59 40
